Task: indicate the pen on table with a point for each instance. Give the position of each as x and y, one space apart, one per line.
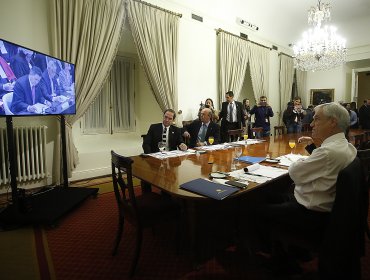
249 173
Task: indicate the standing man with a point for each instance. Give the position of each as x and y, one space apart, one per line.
231 116
262 114
164 132
200 130
294 115
364 115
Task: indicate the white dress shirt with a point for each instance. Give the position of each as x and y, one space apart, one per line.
315 176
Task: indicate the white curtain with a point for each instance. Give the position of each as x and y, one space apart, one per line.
259 67
87 33
286 76
233 61
155 34
301 86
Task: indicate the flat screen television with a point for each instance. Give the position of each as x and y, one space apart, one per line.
34 84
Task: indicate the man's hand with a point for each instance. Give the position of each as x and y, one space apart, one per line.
31 109
8 86
305 140
183 147
186 134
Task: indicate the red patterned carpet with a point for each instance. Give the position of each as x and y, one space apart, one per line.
80 248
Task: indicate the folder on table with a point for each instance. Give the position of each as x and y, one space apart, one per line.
252 160
209 189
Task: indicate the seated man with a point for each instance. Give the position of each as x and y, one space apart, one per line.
199 131
314 177
164 132
28 92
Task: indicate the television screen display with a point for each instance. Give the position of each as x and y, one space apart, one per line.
33 84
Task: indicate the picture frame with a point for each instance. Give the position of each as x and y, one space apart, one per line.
320 96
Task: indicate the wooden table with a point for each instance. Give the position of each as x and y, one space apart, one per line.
208 220
169 174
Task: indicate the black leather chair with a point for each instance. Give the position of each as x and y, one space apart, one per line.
235 134
141 211
364 156
342 244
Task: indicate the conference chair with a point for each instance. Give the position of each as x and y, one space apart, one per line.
257 132
184 124
7 99
140 210
359 140
364 156
342 243
279 130
235 134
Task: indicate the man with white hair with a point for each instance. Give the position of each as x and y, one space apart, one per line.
314 178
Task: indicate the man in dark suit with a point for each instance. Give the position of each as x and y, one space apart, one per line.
231 116
199 131
27 93
49 79
164 132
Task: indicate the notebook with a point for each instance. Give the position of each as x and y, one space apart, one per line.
209 189
252 160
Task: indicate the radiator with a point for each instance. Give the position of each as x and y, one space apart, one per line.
30 146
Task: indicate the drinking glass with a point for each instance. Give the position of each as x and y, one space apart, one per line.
238 153
161 146
211 139
291 145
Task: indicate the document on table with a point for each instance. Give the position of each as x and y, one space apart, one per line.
288 159
170 154
258 173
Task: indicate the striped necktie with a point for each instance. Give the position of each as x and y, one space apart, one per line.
231 115
164 136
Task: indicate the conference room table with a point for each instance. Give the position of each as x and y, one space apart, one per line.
208 218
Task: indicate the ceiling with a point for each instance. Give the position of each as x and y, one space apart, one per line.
283 21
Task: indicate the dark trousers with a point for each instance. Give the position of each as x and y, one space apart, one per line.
225 127
282 211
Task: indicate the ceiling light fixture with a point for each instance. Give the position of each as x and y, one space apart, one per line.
320 48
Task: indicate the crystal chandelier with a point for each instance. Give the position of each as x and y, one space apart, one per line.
320 48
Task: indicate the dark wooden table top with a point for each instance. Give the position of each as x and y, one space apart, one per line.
169 174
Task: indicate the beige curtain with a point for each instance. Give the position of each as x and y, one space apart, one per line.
301 87
233 61
155 34
286 76
259 66
87 33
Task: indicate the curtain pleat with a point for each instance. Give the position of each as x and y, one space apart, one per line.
155 34
259 68
286 76
301 86
87 33
233 61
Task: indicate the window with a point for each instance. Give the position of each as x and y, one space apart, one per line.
113 109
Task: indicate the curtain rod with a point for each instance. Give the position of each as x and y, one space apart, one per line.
159 8
221 30
281 53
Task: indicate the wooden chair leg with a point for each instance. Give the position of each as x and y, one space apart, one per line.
139 240
119 235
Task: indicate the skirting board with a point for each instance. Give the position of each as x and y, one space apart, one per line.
91 173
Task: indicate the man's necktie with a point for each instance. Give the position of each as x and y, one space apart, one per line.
231 112
164 136
33 94
203 133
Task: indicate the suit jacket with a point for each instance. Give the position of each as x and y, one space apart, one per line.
212 130
22 96
48 85
239 113
154 135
